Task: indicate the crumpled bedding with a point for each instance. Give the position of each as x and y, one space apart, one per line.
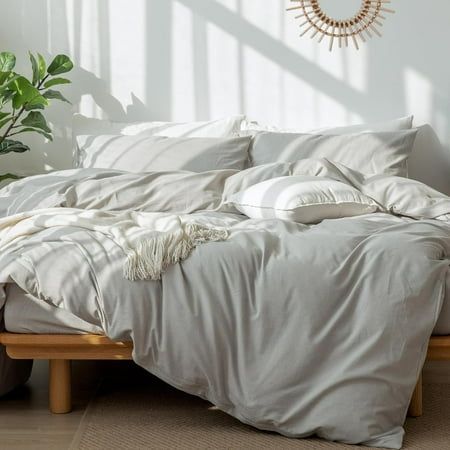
151 241
297 329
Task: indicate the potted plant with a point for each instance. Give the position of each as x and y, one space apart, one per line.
22 99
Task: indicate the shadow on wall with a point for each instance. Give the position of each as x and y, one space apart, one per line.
201 59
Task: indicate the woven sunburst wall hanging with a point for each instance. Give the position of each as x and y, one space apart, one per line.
364 24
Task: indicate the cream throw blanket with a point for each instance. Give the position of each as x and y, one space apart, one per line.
151 241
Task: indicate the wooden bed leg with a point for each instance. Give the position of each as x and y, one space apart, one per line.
60 396
415 407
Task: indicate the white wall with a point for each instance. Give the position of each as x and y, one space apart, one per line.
200 59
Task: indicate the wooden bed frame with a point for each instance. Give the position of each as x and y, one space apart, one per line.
60 350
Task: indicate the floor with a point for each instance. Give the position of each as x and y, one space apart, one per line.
26 424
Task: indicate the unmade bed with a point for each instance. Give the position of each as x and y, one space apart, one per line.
246 292
285 278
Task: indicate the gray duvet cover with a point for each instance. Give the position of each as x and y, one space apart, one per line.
298 329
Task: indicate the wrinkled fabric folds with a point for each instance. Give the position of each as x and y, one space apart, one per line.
291 328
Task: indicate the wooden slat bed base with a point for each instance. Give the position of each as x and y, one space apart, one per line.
61 346
439 348
60 350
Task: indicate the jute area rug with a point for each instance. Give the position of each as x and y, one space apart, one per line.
148 414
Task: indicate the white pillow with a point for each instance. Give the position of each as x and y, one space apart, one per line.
369 153
226 127
302 199
82 125
403 123
158 153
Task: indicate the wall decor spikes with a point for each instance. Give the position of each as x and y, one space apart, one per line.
364 24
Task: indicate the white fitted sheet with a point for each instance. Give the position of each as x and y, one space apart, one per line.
24 313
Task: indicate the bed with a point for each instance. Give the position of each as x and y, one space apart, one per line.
284 290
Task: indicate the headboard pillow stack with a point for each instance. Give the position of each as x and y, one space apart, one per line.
383 146
429 161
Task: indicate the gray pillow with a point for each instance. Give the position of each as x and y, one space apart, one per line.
369 153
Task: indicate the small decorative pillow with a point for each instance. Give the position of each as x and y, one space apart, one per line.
157 153
302 199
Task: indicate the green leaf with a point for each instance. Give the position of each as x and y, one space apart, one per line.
50 94
6 96
4 121
35 130
21 85
32 107
56 81
42 66
38 102
8 146
6 81
35 67
4 76
3 115
35 119
26 93
61 64
7 61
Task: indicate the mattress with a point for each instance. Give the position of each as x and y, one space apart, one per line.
25 313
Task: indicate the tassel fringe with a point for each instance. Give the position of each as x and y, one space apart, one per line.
152 257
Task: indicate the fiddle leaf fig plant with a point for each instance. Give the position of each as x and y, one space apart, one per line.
22 99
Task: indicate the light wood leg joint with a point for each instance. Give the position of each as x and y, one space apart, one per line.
60 386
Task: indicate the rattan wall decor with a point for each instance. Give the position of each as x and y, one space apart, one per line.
364 24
